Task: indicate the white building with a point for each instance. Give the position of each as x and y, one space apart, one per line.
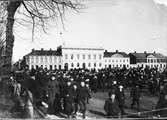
116 59
50 59
153 60
82 58
156 60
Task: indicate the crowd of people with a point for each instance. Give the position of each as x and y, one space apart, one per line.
69 91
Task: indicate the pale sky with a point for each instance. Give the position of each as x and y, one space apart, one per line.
124 25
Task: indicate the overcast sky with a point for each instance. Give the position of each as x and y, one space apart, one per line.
124 25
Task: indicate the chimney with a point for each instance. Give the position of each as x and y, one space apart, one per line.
134 51
50 49
154 52
105 51
145 52
116 51
41 49
33 50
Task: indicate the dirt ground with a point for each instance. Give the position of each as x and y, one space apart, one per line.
96 104
94 108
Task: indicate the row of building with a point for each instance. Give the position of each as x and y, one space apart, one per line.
90 58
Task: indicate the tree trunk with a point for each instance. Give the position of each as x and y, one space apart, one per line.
11 10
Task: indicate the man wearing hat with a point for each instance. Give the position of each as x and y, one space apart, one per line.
82 97
111 106
69 99
121 98
135 94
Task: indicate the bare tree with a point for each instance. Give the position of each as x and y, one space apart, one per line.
37 12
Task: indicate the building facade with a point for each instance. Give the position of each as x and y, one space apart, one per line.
138 59
50 59
156 60
89 58
116 59
152 60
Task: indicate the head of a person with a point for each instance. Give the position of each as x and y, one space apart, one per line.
75 87
68 83
53 78
121 88
82 83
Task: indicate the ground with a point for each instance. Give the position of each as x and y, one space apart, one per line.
95 106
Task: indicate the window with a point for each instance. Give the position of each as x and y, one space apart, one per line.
89 65
50 59
77 56
120 60
32 59
41 59
94 64
124 61
89 57
105 60
50 67
148 60
99 64
55 66
46 59
113 61
37 59
116 60
55 59
59 59
32 66
95 57
72 64
72 56
151 60
83 56
77 64
100 56
154 60
127 60
109 60
66 56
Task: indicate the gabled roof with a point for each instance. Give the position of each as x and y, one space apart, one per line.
139 55
70 48
44 52
157 55
110 54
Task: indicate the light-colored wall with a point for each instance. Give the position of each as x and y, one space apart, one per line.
46 62
81 52
114 62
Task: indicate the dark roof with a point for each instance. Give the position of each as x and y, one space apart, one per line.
139 55
110 54
83 48
144 55
44 52
157 55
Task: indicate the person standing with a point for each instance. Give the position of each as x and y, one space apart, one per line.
111 106
82 98
135 94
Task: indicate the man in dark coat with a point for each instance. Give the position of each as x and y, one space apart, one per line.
121 98
69 99
135 94
111 106
82 97
53 95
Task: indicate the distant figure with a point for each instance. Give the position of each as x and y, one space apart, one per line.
162 102
29 110
111 106
121 98
135 94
